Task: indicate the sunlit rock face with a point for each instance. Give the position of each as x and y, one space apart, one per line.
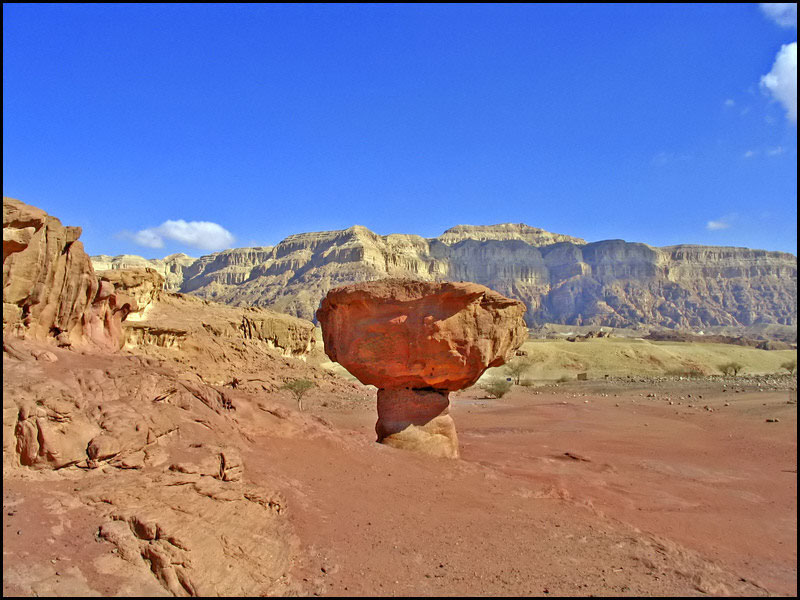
50 289
416 341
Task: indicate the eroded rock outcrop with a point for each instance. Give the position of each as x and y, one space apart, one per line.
187 328
154 457
143 286
171 267
50 290
417 341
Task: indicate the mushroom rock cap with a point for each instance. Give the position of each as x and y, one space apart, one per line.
400 333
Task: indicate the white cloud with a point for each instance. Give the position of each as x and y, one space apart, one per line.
147 237
784 14
714 225
781 81
775 151
723 223
729 102
197 234
749 154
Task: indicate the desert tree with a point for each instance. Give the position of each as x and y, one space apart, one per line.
516 368
298 388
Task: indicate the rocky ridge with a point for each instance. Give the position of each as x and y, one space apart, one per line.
561 279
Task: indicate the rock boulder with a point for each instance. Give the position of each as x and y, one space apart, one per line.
417 341
398 333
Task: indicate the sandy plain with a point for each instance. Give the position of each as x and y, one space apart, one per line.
582 489
643 486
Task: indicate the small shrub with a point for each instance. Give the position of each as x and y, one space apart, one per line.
688 372
497 388
731 368
298 387
563 379
790 366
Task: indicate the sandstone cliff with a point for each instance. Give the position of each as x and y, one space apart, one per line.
50 290
561 279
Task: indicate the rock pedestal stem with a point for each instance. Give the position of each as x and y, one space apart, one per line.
417 420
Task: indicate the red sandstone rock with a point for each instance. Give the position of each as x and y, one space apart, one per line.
417 341
399 333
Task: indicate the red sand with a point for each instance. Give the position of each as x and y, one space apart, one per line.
553 495
556 496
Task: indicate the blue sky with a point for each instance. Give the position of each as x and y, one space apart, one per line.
648 123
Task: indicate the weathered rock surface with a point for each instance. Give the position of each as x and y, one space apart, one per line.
416 341
505 231
223 339
143 451
412 334
50 290
417 420
170 267
136 474
153 455
561 279
141 285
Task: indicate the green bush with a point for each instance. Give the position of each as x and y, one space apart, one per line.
497 388
298 387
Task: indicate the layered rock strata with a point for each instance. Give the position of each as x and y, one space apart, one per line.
561 279
417 341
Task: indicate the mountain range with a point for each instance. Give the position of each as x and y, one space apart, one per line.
562 279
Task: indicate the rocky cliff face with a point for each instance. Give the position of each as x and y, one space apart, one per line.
505 231
50 290
561 279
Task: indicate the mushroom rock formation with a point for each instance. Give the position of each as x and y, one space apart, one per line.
417 341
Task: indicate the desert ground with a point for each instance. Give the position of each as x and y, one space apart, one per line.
674 488
628 485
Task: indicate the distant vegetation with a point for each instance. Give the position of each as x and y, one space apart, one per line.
691 372
516 368
497 388
731 368
621 357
